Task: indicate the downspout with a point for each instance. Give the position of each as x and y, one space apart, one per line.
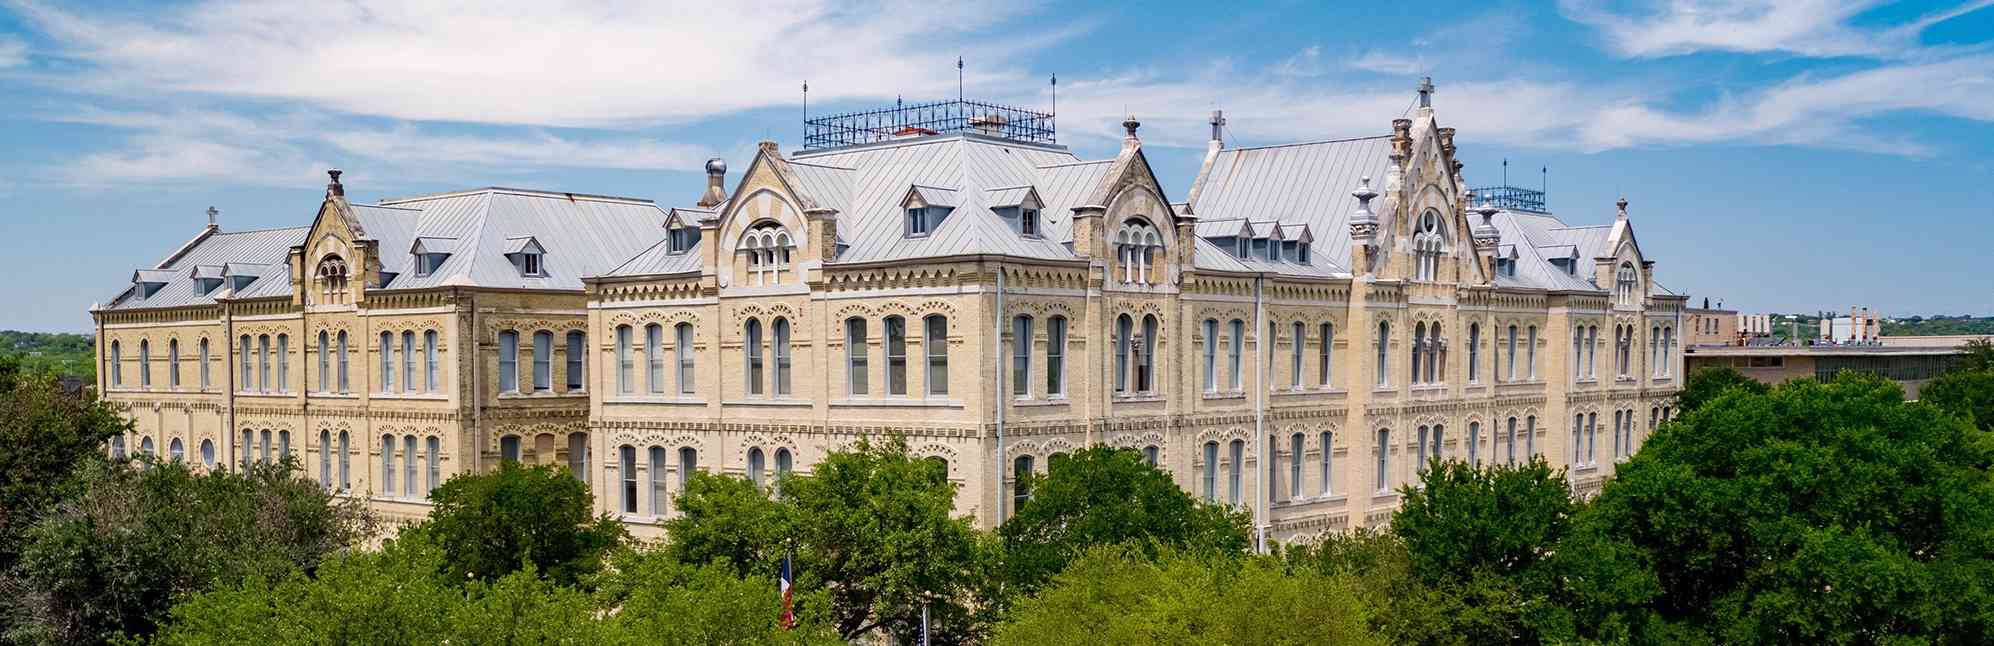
475 393
1265 350
228 341
1001 393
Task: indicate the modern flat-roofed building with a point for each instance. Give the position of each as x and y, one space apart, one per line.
1296 332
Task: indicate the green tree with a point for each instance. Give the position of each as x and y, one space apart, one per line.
140 538
660 600
1979 356
1119 595
1967 393
1812 513
493 524
1705 384
45 435
728 520
1107 496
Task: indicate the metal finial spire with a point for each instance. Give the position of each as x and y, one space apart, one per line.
806 99
1426 92
958 78
211 215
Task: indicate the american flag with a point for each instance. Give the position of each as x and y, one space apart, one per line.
788 580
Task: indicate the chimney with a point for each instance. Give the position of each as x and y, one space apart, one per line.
769 146
1401 140
716 183
334 188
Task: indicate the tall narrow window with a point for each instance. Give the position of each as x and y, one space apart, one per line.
1592 351
1295 354
1616 434
1236 452
1655 351
1124 330
654 480
429 373
1211 471
784 462
753 341
1418 343
782 358
1021 356
203 357
283 364
176 451
509 448
387 352
578 456
1021 485
626 462
433 456
342 363
624 383
1530 354
685 357
145 361
283 445
756 465
1474 353
408 361
855 357
1384 353
324 457
387 465
246 359
1578 439
1324 353
1236 354
654 359
1529 436
1211 330
1474 444
324 361
262 363
1055 356
937 346
896 355
1509 443
1509 357
543 361
118 365
1592 438
577 353
345 462
408 465
508 361
1419 451
1295 454
1146 366
1384 454
173 364
1578 353
1328 443
688 463
264 449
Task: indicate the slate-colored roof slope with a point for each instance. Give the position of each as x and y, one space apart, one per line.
1303 183
583 235
266 246
658 260
965 167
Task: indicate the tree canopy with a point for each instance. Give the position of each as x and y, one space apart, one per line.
493 524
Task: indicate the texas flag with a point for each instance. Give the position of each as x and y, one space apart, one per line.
788 579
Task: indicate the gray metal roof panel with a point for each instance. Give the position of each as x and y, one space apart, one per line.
215 250
659 260
1306 183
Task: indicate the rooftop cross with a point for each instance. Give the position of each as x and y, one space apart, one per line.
1426 92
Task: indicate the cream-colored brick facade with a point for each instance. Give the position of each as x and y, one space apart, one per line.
1320 400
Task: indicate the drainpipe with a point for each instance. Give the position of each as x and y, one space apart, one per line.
1265 350
476 395
1001 394
228 342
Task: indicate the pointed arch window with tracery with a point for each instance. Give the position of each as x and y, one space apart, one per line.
1624 286
1137 244
767 247
1429 244
331 278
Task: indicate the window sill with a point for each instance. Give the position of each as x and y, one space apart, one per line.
640 519
540 394
1137 398
1224 394
1305 390
1040 403
1384 497
1386 389
424 501
258 394
654 399
415 396
783 402
331 395
1306 501
896 403
1426 388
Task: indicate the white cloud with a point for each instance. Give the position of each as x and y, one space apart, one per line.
13 52
1818 28
540 63
536 150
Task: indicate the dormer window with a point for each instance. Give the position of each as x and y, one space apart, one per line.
1302 253
527 256
682 238
331 278
207 278
1506 267
149 281
428 263
1241 251
1028 222
1018 206
530 264
1291 249
1260 248
918 222
926 206
430 252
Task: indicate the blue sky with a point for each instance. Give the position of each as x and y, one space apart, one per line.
1785 157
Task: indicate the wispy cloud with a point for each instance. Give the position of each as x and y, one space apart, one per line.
13 52
1816 28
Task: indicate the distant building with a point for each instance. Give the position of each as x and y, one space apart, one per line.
1708 326
1752 326
1909 361
1860 326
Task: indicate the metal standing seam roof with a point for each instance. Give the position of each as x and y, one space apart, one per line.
659 260
1303 183
209 254
583 235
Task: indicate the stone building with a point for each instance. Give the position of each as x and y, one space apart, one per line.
1296 333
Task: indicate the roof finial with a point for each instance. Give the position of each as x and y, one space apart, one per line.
1426 92
1622 205
334 188
1218 125
1130 125
211 215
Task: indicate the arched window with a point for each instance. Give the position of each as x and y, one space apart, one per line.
508 361
767 247
654 481
118 447
1530 353
387 352
626 462
896 355
283 445
1509 357
1298 336
509 448
1021 482
324 458
1136 246
1325 353
1211 471
207 453
1151 454
937 346
1440 442
324 361
1124 333
429 374
684 349
1237 455
1529 436
1383 453
145 446
1055 356
173 364
387 465
117 366
1668 351
1295 454
1474 353
624 384
1145 365
782 357
408 362
688 463
1418 343
577 352
756 465
1021 356
578 456
1578 352
245 451
1384 353
345 455
1624 285
1328 445
1429 242
1624 337
1236 353
1211 330
1419 451
262 362
342 363
1592 438
654 359
1474 444
433 456
753 343
1592 351
543 360
408 466
856 354
1578 439
785 462
331 280
263 449
175 450
246 360
1509 443
203 356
